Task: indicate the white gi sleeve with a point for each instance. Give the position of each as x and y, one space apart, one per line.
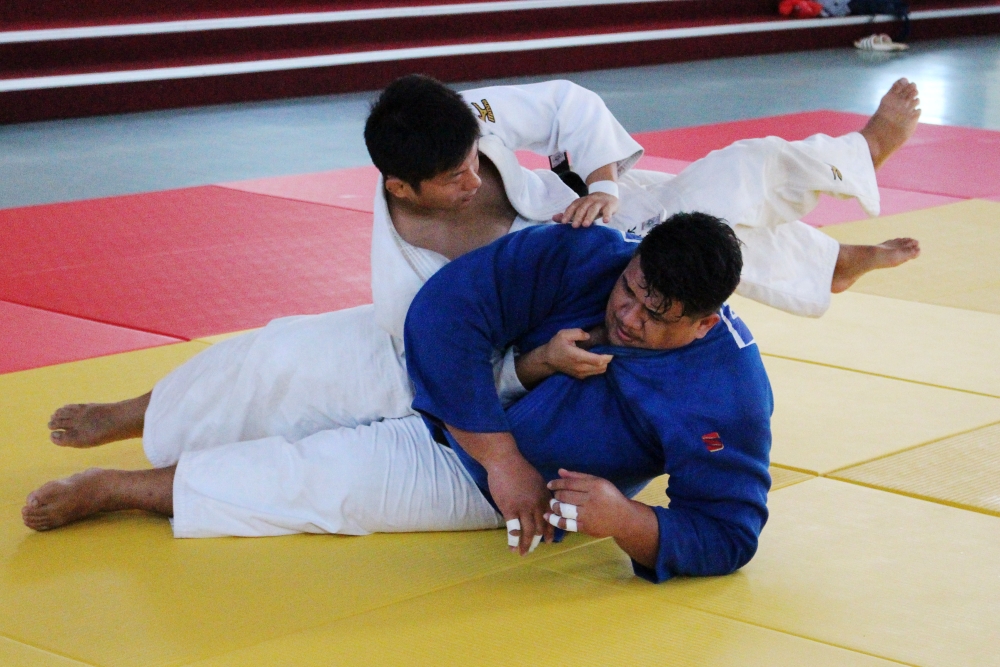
555 117
509 387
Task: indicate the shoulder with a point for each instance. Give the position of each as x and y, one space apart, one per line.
564 241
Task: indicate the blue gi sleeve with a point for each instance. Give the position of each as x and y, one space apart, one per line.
497 296
718 488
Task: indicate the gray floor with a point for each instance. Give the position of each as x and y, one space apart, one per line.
81 159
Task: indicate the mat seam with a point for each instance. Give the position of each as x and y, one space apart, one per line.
179 339
338 619
881 375
915 496
908 449
740 620
804 471
294 199
104 356
50 652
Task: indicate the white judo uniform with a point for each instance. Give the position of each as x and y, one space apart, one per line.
306 426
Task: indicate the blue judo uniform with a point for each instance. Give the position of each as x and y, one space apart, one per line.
700 413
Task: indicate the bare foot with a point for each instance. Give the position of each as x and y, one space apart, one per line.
66 500
93 424
894 122
62 501
855 261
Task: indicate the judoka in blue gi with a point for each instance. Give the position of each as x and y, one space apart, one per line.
683 392
686 392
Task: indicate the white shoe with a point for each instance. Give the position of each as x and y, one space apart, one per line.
879 43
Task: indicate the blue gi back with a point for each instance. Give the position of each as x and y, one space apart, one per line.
700 413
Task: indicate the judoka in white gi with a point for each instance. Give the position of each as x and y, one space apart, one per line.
301 376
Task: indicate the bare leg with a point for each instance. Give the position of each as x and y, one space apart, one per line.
66 500
93 424
892 125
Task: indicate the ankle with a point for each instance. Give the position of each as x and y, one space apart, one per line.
106 489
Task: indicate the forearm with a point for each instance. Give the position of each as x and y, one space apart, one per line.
516 486
639 534
490 450
608 172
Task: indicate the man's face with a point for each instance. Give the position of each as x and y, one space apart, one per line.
635 318
450 190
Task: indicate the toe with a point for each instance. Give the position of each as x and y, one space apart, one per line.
65 436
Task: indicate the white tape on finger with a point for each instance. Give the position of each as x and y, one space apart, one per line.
534 543
571 525
513 540
565 509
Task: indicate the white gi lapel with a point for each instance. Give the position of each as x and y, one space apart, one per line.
399 269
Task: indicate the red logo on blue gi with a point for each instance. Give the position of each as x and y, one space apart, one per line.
712 441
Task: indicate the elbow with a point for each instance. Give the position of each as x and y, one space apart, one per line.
702 549
729 554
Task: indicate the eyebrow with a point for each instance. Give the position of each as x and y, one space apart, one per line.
655 314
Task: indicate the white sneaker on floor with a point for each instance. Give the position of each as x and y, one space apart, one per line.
880 42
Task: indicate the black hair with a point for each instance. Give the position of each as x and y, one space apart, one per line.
418 128
693 259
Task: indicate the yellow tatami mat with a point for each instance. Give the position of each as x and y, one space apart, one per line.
827 418
655 492
218 338
28 398
943 346
15 654
850 566
120 590
963 470
958 266
531 616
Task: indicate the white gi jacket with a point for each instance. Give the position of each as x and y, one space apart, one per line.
546 118
758 186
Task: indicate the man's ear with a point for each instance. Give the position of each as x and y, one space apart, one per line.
705 324
399 188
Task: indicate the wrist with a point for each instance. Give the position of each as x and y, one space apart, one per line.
635 522
545 358
503 461
607 187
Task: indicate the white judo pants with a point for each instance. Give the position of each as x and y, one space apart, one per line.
305 425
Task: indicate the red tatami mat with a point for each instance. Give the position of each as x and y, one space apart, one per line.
832 211
664 164
352 188
186 263
952 161
692 143
30 338
355 188
347 188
